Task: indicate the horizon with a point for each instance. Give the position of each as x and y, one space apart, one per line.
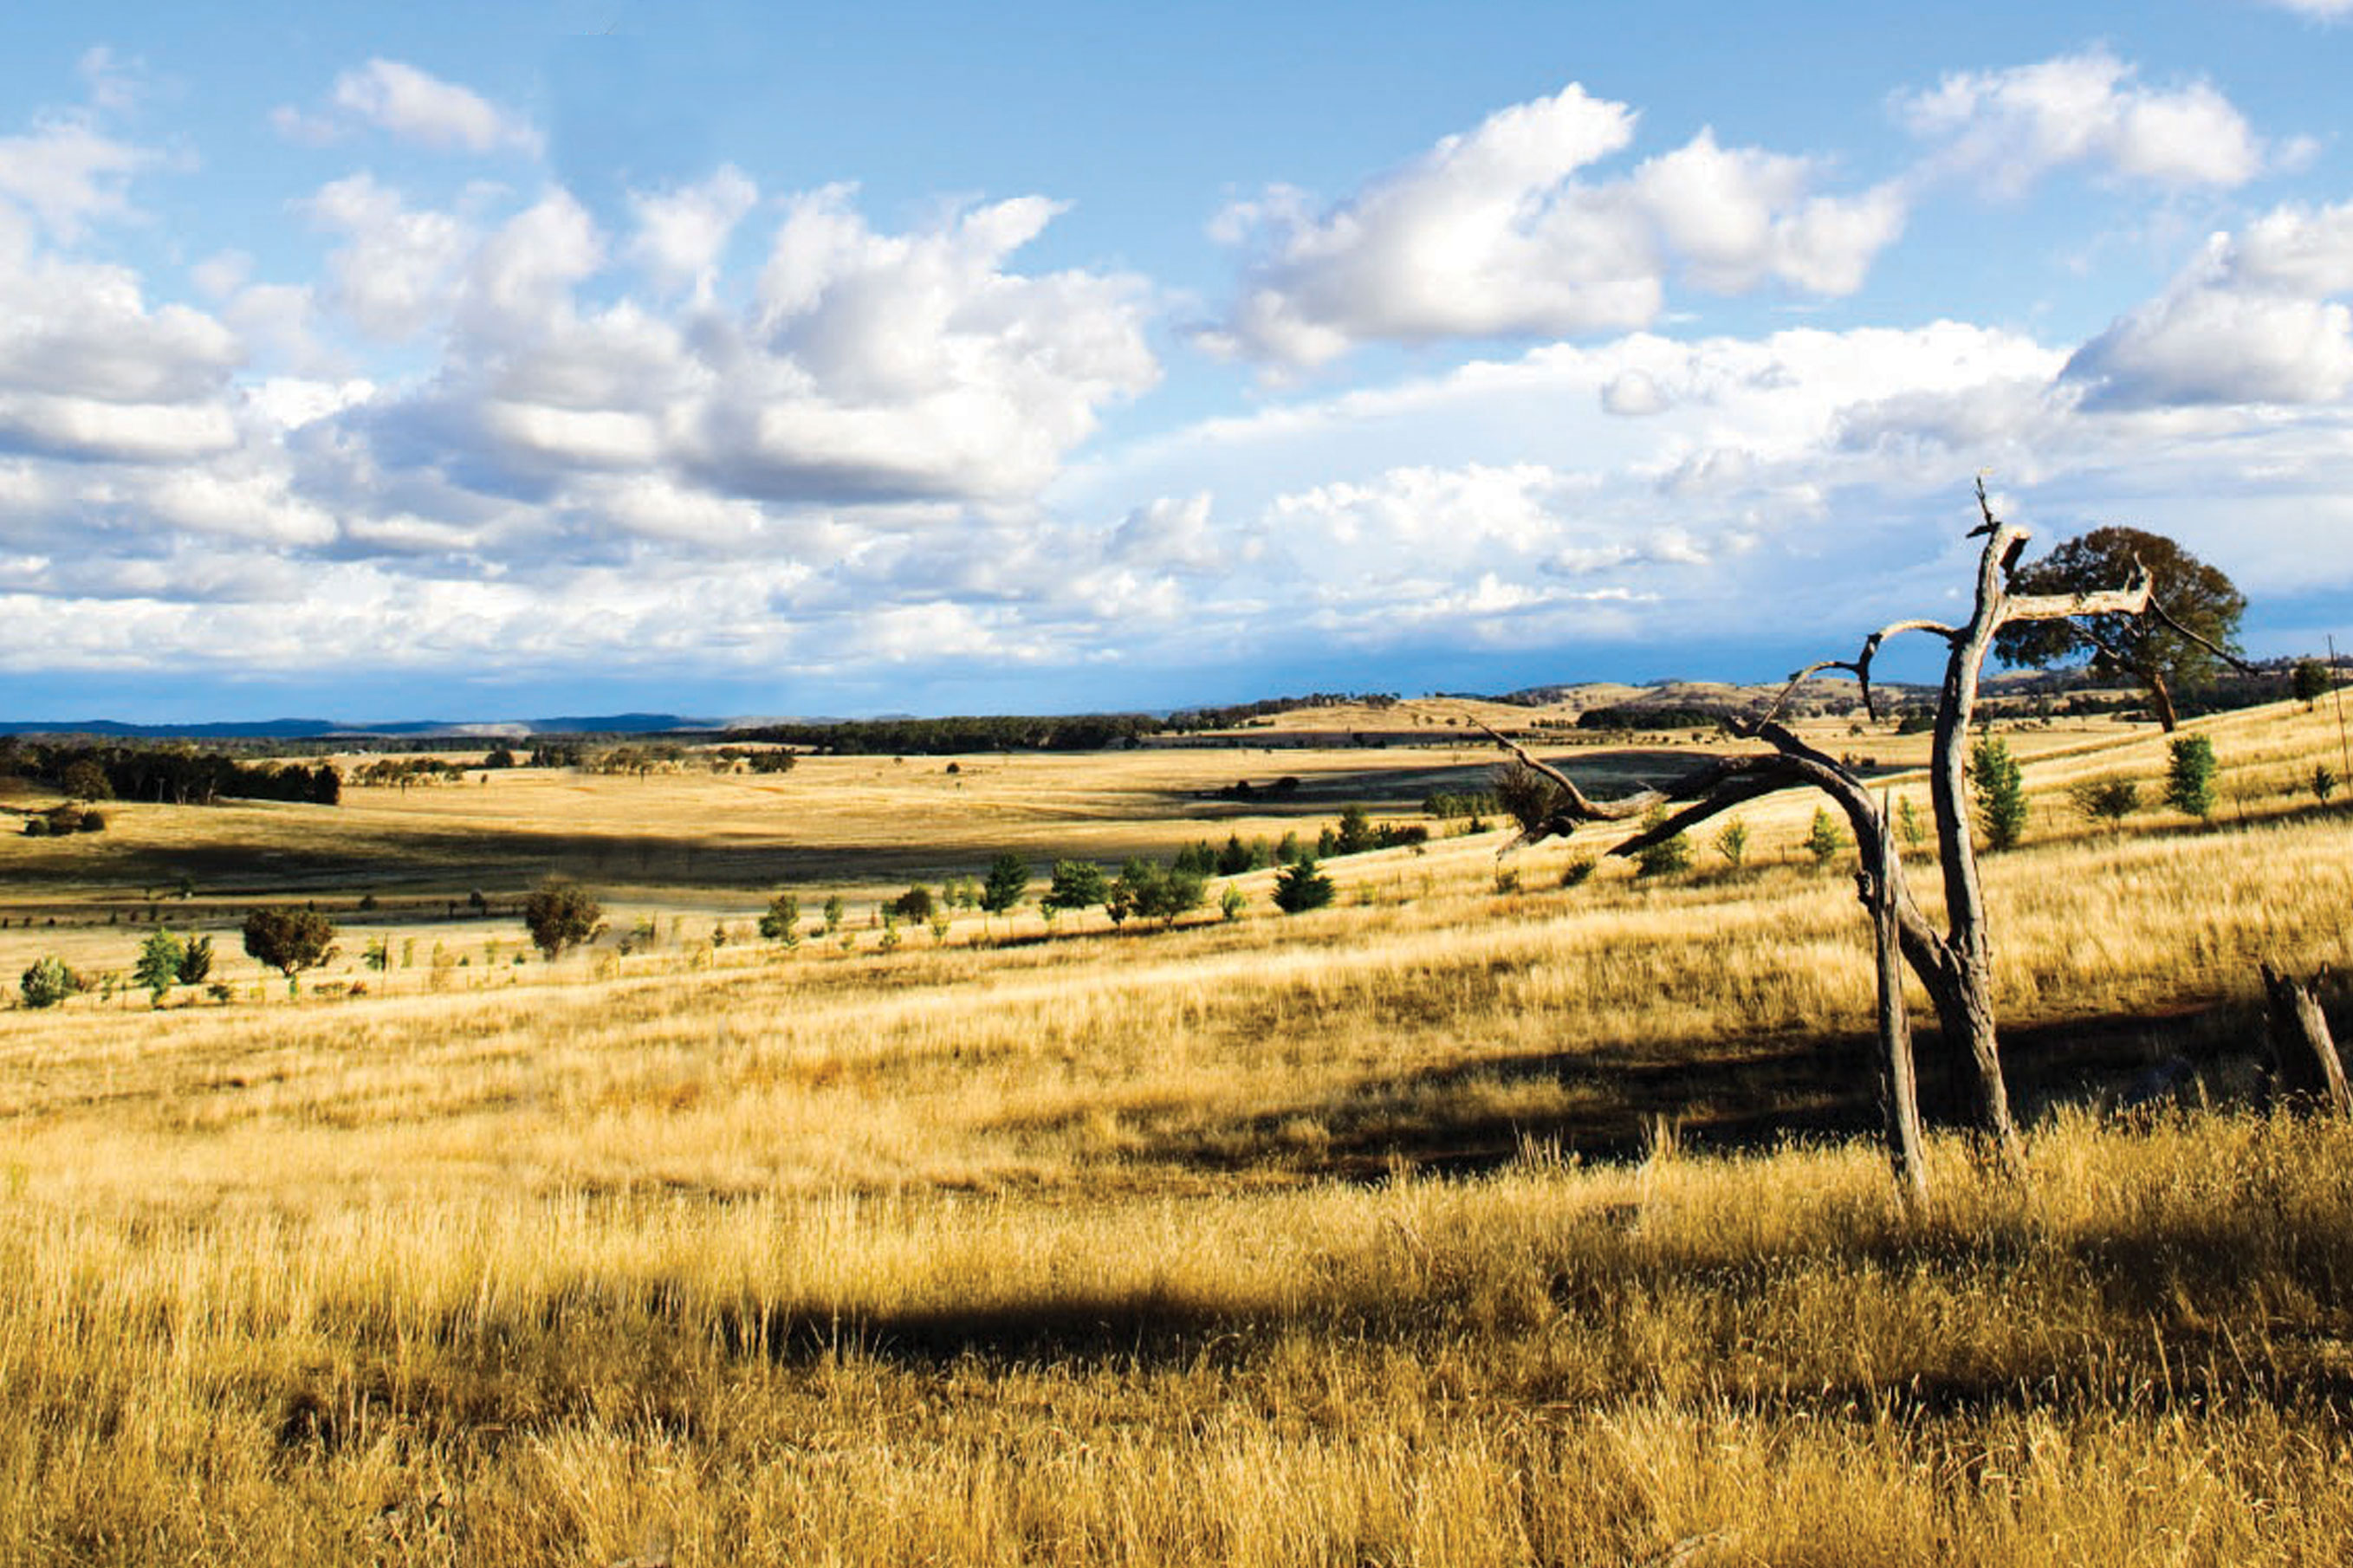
590 359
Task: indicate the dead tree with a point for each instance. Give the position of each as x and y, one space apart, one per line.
1953 965
2305 1065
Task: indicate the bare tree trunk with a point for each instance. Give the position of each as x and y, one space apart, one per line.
2311 1074
1955 964
1899 1094
1964 987
2160 698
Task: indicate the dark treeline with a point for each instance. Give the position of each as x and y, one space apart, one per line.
174 774
945 737
1656 716
1226 718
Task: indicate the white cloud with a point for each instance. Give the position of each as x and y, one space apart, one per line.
393 275
1493 232
682 232
413 106
1170 535
2250 321
2007 128
67 174
2321 10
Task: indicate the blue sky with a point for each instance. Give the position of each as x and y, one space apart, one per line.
501 360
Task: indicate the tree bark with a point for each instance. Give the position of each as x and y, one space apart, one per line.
2160 699
2311 1074
1899 1095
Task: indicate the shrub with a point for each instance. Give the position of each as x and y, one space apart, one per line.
158 969
2190 777
1732 842
561 914
781 921
1578 872
1823 840
1300 886
2000 792
2323 782
196 961
914 904
1907 825
47 983
288 941
1231 903
1668 856
834 910
2105 800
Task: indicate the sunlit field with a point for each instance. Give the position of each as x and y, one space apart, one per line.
1489 1216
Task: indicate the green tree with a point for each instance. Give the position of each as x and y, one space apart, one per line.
2105 800
1355 834
1907 824
158 969
1300 886
1823 840
1008 884
85 780
288 941
1076 885
781 920
1153 892
47 982
835 909
2001 789
2190 777
1231 903
2312 681
561 914
2194 594
1732 842
1236 858
196 961
914 904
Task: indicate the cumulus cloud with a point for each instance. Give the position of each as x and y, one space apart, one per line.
89 370
392 273
682 233
1495 232
2007 128
66 174
2254 319
413 106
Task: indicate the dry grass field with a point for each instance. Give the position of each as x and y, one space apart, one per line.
1475 1219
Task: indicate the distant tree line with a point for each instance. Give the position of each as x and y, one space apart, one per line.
1658 716
165 774
1233 714
946 737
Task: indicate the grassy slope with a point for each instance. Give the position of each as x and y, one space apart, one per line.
1143 1248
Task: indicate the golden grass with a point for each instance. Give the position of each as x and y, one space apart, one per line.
1275 1241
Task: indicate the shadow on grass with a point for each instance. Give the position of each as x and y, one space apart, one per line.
1755 1094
